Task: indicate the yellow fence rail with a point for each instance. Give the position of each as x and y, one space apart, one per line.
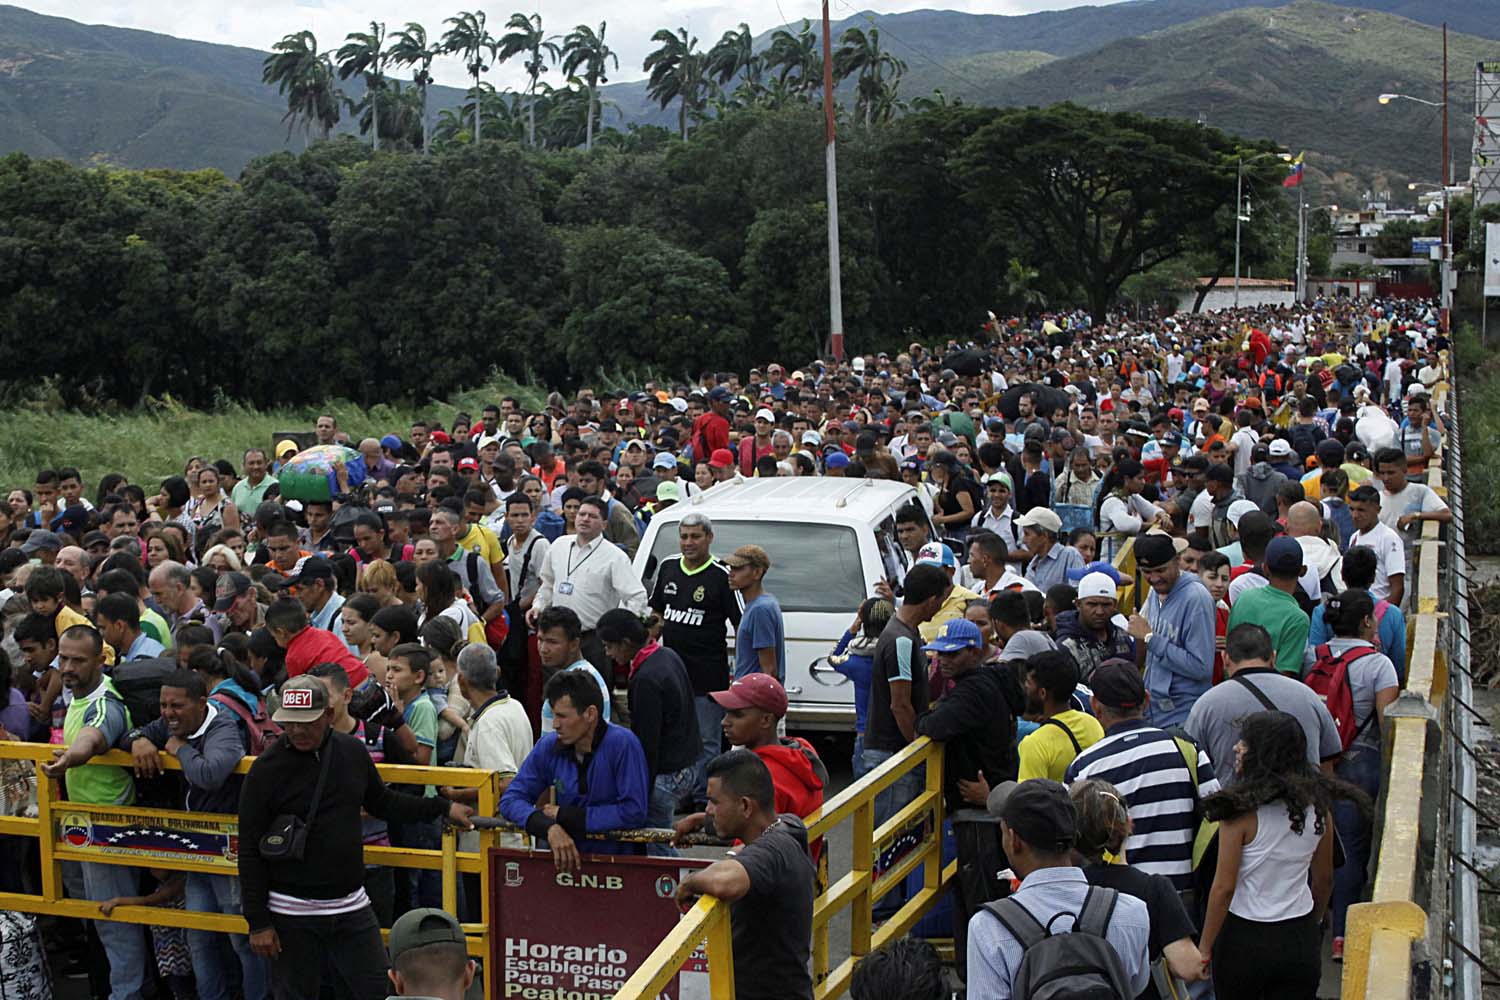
1380 934
53 811
856 891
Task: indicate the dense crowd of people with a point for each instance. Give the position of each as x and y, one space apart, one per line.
1190 782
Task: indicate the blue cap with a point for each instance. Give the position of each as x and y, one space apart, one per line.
719 392
664 460
1284 556
837 460
1098 566
391 442
957 633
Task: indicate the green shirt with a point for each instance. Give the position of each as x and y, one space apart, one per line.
155 626
1278 613
421 716
246 497
104 710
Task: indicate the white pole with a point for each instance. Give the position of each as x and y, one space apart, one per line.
1239 184
835 288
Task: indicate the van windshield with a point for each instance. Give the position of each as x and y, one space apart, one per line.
814 567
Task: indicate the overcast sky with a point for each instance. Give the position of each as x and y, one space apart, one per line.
259 23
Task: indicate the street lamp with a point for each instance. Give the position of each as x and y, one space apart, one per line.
1240 215
1388 98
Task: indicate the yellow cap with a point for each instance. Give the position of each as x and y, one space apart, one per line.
286 446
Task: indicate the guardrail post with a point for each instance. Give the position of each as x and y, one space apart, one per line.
863 863
52 884
932 867
450 869
720 945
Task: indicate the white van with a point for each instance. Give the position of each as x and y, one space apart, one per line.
830 540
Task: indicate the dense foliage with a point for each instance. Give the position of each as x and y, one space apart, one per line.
343 272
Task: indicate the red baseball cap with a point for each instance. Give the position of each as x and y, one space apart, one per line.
755 690
722 458
468 464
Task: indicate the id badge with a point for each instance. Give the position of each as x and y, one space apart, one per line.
565 587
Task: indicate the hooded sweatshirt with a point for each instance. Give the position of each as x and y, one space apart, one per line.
1180 655
799 782
1259 484
1323 562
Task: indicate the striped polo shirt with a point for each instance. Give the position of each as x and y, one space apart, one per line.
1147 765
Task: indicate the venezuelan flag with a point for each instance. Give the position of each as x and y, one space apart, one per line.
1294 173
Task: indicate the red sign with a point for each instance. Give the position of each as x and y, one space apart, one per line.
580 935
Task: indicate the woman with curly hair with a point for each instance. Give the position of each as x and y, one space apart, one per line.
1275 870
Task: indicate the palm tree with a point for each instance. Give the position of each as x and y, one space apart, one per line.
525 35
468 37
678 71
734 55
410 48
363 52
585 50
859 52
797 57
305 76
1020 285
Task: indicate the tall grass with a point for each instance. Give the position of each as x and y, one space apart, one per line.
1478 374
152 442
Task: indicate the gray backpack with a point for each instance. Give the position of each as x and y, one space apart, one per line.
1078 964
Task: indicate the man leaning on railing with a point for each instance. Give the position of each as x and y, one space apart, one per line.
302 850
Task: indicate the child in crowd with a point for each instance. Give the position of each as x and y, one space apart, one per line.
1213 570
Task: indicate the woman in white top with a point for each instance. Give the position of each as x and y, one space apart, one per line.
438 590
1120 509
1260 932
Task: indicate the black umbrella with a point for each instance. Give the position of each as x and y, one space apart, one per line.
1045 398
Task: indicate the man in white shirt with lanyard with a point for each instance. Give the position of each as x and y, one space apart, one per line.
591 575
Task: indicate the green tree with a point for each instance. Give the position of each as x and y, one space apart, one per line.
733 56
525 37
467 37
585 50
636 301
797 59
305 77
1394 239
363 53
1098 196
410 47
877 73
1021 286
679 72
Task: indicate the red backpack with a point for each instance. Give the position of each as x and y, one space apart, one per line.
1329 677
261 730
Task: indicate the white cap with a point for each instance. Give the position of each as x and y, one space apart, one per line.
1096 585
1040 517
485 440
858 364
812 438
765 414
678 403
1239 509
1281 448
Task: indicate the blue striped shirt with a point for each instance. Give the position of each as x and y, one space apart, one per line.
1148 767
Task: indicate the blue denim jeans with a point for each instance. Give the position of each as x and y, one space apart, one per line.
895 797
1360 766
858 760
125 945
214 958
711 731
667 790
426 884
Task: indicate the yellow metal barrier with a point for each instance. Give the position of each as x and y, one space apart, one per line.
1379 934
53 810
857 891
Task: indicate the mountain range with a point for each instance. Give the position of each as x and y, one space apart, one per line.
1305 74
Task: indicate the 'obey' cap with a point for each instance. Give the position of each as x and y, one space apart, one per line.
303 699
228 588
422 927
755 690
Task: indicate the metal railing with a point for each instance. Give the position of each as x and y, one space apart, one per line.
54 814
882 859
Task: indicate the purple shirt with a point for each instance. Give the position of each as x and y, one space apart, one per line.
14 717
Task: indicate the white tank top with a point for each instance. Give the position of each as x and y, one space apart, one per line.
1272 883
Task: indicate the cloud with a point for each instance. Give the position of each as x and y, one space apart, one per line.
630 22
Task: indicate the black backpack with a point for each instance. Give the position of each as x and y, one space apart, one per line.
139 683
1304 440
1078 964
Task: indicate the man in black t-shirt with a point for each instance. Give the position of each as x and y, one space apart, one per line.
693 597
898 684
768 881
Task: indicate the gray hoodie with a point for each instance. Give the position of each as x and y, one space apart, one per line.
1259 484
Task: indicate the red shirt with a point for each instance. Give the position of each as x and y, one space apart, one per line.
313 646
713 431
